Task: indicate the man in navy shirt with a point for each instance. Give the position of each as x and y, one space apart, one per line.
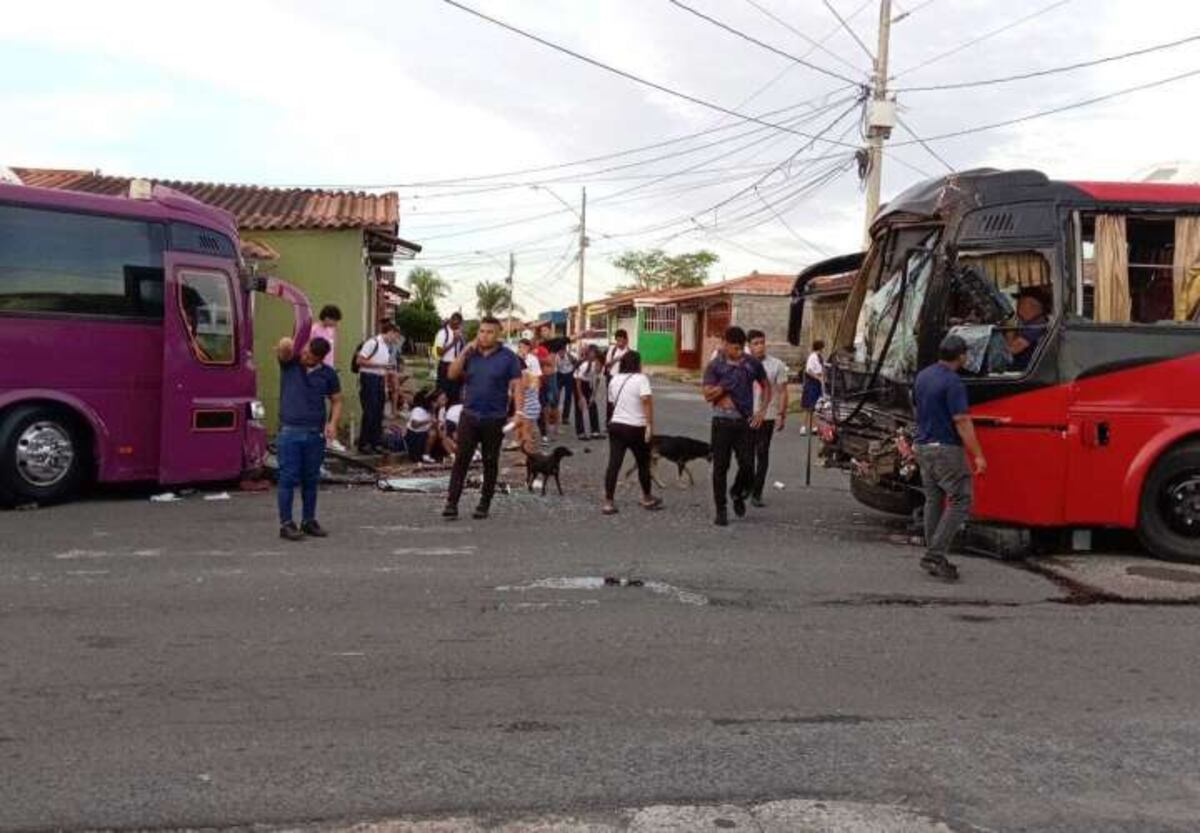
729 383
489 374
305 382
943 427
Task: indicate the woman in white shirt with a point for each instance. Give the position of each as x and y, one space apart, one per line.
814 383
631 428
587 377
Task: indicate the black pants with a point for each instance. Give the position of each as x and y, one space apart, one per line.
760 442
473 432
372 394
620 438
731 438
566 384
580 425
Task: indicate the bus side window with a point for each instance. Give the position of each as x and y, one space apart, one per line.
206 303
1140 269
1002 304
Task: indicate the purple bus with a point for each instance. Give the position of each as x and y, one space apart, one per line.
127 342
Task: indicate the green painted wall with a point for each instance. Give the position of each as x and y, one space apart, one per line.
328 267
656 348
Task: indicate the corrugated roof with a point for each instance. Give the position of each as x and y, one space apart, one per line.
256 208
753 284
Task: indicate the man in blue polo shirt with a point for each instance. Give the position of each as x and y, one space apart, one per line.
489 373
943 427
305 382
729 386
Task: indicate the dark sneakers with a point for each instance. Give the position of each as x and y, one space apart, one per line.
722 518
739 506
450 513
939 567
481 512
757 502
290 532
313 530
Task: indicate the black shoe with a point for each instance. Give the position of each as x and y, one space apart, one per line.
938 567
313 530
450 513
480 513
739 506
290 532
757 502
722 518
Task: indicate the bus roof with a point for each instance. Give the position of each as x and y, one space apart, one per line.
164 205
992 186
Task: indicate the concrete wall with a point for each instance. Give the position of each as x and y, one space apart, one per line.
328 267
769 313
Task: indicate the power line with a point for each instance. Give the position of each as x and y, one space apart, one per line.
1086 102
816 44
982 38
623 73
904 15
1040 73
923 143
845 25
750 38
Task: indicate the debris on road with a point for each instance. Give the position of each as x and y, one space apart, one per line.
217 496
420 485
165 497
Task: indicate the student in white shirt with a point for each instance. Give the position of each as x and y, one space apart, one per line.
631 427
447 345
372 364
814 383
611 359
760 437
587 379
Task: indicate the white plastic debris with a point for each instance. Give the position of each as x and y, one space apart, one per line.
217 496
780 485
165 497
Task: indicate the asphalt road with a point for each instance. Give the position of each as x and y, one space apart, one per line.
177 665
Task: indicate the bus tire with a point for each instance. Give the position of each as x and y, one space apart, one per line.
42 455
1169 515
881 497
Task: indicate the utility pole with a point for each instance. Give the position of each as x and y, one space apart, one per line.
580 318
881 117
512 262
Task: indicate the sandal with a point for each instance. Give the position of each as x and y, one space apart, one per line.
652 505
609 510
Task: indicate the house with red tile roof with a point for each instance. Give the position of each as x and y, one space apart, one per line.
339 247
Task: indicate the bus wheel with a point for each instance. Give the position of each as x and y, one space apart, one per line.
1169 519
41 458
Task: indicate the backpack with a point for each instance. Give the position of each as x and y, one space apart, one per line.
358 350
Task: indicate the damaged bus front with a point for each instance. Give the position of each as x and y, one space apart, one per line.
1079 303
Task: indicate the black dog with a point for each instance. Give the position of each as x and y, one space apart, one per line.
680 451
546 465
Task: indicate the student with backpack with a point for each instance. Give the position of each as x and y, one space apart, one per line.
447 345
371 361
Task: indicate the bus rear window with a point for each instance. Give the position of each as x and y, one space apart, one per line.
79 264
206 302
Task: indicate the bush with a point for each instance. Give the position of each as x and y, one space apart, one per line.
417 324
470 329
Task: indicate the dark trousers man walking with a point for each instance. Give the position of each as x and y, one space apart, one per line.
731 439
474 433
760 448
372 395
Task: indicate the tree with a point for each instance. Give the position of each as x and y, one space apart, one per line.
428 287
494 298
417 324
653 269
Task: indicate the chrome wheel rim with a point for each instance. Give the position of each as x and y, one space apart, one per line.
44 454
1181 504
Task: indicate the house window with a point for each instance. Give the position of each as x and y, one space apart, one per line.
659 319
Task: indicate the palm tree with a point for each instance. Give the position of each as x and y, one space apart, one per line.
428 287
493 298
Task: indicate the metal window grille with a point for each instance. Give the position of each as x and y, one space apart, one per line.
660 320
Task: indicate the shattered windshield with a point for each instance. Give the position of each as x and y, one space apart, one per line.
903 281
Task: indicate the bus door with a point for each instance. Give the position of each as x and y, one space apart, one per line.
205 387
1017 404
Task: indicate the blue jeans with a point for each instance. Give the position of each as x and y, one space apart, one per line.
300 452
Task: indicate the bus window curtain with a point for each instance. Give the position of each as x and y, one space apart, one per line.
1186 261
1112 270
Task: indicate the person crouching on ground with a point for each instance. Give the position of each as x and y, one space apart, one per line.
631 428
305 382
944 427
490 375
729 383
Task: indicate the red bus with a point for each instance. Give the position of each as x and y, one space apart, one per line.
1081 305
127 342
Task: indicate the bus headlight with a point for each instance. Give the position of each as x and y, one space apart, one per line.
258 411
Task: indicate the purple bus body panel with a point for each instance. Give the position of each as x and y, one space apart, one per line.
147 396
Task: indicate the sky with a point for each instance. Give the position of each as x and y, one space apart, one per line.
418 96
